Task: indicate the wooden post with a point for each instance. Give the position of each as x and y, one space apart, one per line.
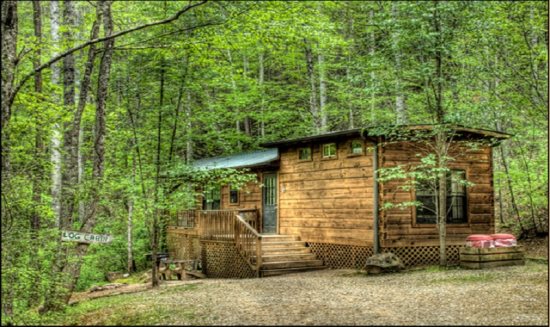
258 255
376 220
237 233
200 223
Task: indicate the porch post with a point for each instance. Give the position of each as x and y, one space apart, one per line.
375 238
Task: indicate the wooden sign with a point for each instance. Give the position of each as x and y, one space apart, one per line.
71 236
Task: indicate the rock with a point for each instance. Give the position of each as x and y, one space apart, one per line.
126 275
383 262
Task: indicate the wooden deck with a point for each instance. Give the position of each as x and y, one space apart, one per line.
265 255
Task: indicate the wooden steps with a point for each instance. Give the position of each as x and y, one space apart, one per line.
283 254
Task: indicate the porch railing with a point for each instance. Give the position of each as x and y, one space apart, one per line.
249 243
190 218
239 226
216 225
184 218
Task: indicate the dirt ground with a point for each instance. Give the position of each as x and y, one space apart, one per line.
126 289
515 295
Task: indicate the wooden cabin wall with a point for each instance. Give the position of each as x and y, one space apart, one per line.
398 227
327 200
250 197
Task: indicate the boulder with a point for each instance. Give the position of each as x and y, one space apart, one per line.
383 262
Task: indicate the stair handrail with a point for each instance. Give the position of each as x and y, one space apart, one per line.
244 233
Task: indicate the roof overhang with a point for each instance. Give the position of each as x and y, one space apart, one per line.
357 132
368 133
260 158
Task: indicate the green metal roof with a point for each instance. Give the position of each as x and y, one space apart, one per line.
239 160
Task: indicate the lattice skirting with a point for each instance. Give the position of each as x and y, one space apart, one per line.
182 246
341 256
222 260
353 256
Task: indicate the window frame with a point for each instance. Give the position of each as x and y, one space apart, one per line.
310 153
350 148
238 194
330 157
465 220
209 196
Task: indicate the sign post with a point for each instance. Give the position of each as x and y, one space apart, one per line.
72 236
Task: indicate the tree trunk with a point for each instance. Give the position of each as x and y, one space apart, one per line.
322 92
56 132
177 110
372 72
37 180
76 134
234 89
441 139
247 123
400 108
349 38
158 231
500 202
442 198
189 131
313 92
9 63
129 244
70 156
440 116
261 84
351 120
38 141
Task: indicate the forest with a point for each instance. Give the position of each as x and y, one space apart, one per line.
103 99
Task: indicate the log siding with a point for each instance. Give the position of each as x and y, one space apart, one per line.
327 200
399 227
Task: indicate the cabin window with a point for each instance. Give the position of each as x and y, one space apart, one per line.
304 153
233 195
356 147
211 200
329 150
456 200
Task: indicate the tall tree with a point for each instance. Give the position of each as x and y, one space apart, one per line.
55 144
400 107
9 62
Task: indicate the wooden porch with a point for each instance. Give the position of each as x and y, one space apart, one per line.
237 231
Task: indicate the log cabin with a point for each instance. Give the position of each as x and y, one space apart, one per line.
317 203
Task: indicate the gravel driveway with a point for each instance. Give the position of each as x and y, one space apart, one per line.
499 296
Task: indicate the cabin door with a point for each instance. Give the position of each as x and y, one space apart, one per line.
270 203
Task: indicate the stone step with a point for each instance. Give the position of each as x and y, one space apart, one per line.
277 272
291 264
288 257
279 238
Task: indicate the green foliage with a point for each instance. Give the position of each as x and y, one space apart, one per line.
242 79
126 309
